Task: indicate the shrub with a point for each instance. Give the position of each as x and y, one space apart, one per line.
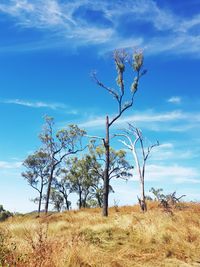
4 214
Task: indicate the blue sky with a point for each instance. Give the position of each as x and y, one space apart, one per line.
48 49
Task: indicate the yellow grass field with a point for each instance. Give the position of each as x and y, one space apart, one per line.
84 238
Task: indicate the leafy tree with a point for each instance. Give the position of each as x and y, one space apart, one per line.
37 172
119 167
56 199
136 63
59 146
96 195
82 178
63 186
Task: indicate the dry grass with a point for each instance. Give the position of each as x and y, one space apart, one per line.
83 238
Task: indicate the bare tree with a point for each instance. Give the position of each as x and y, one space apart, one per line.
134 136
59 146
136 63
167 201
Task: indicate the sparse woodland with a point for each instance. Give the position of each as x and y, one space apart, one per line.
159 231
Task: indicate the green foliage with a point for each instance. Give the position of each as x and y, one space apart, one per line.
63 187
70 136
67 139
138 59
43 165
82 177
37 165
92 203
57 200
157 193
119 167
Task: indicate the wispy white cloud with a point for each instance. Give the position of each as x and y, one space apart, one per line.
189 24
175 121
175 100
4 165
148 116
32 104
70 21
176 152
39 104
166 145
171 173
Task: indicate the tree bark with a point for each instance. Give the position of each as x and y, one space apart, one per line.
66 202
99 201
48 191
143 200
40 202
40 198
80 199
106 170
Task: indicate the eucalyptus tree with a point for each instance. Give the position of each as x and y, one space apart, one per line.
121 59
36 174
82 178
134 141
119 167
56 199
63 186
59 146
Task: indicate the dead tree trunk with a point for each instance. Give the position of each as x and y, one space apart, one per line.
140 162
120 58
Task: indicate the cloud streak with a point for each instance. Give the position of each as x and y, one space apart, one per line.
5 165
86 22
39 104
175 100
173 121
176 174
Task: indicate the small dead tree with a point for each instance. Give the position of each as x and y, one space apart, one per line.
166 201
133 136
121 59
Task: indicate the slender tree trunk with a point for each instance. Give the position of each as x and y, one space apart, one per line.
49 191
106 170
80 199
99 201
143 193
66 202
84 203
40 202
40 197
143 200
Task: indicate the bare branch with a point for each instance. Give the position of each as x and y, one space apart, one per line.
95 137
124 143
111 91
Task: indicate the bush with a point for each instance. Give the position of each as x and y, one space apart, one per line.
4 214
